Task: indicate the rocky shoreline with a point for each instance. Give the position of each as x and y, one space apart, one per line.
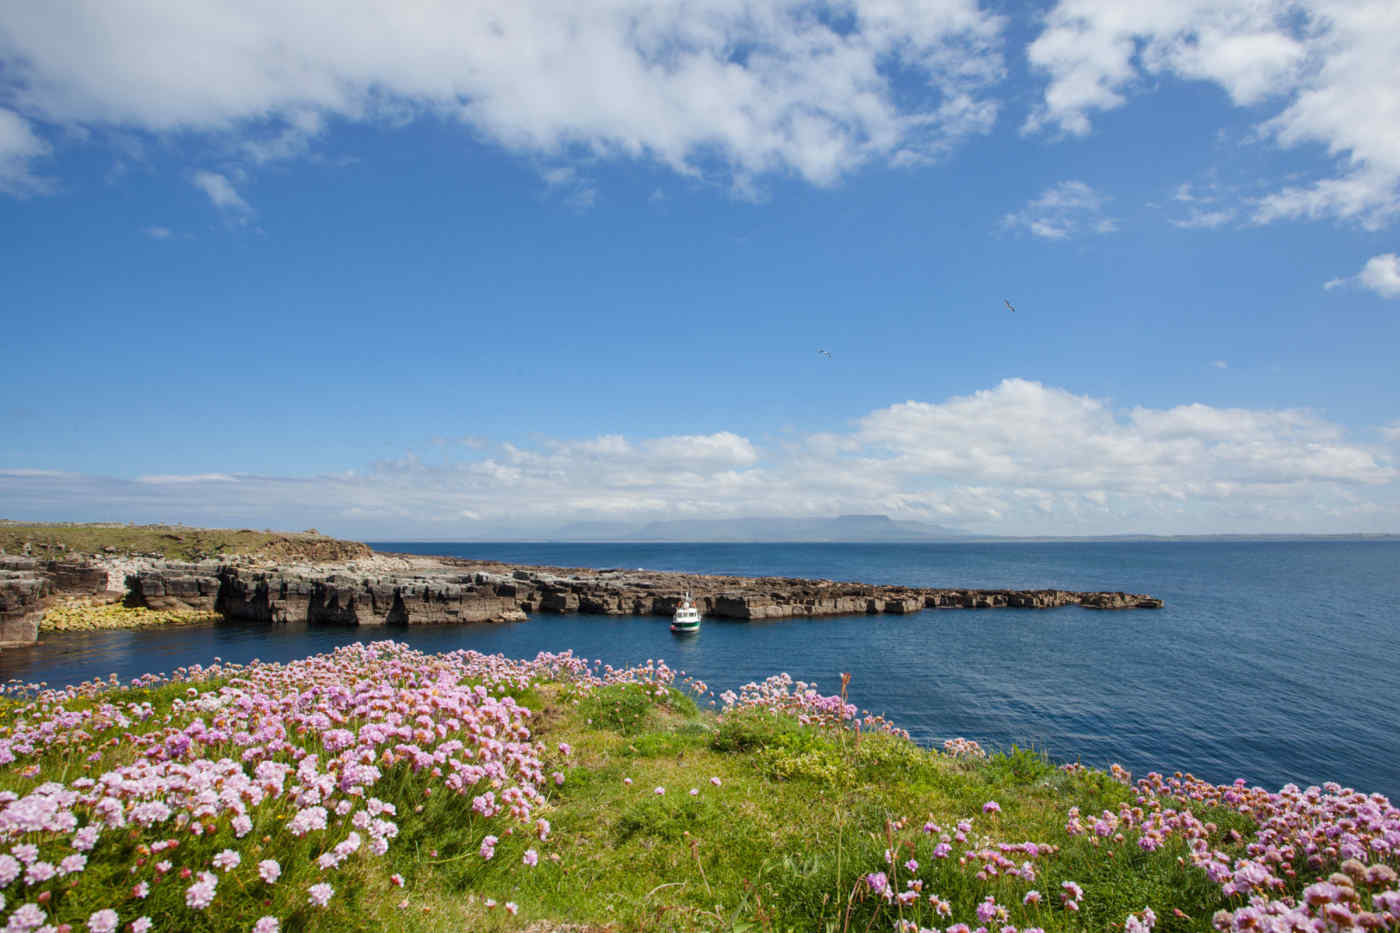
388 589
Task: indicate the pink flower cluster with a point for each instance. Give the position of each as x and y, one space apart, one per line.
300 748
800 699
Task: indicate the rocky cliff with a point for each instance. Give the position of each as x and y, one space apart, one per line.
428 591
408 590
28 586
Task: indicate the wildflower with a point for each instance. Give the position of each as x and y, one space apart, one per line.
9 869
320 894
659 791
104 921
267 925
71 864
488 847
991 806
140 890
201 894
530 858
565 749
228 860
26 917
512 908
627 782
716 781
396 880
559 778
1032 899
911 866
140 925
695 792
39 872
269 870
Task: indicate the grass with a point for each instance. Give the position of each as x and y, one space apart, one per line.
671 818
173 542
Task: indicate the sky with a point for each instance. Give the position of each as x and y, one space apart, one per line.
458 270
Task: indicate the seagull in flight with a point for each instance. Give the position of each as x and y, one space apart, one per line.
825 354
1007 302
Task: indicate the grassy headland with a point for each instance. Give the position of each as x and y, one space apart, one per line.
55 540
381 788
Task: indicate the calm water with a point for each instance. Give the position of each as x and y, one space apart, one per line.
1272 661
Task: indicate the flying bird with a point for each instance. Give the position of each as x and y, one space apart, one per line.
825 354
1007 302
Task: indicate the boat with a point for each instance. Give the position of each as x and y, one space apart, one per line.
687 617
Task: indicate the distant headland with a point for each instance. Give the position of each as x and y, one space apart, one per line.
309 577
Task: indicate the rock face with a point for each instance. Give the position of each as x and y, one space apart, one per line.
409 590
27 587
447 590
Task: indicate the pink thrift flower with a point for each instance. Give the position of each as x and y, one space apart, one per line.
104 921
141 890
267 925
396 880
141 925
228 860
627 782
269 870
558 778
531 858
512 908
991 806
319 894
695 792
659 791
716 781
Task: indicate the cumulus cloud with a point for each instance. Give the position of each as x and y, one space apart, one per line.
1330 66
1018 458
1064 210
1381 274
792 86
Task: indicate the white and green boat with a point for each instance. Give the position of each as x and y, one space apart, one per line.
687 617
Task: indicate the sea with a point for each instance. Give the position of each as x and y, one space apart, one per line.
1273 661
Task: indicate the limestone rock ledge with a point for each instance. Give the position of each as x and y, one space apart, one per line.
28 586
427 591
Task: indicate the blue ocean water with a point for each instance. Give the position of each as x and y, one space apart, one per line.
1273 661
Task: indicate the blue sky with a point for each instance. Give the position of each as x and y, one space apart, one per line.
464 270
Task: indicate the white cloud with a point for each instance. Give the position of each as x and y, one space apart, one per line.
158 233
792 86
1220 364
221 191
1018 458
19 146
1065 209
1381 274
1204 220
1332 67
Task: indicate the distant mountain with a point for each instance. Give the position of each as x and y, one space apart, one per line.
858 528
